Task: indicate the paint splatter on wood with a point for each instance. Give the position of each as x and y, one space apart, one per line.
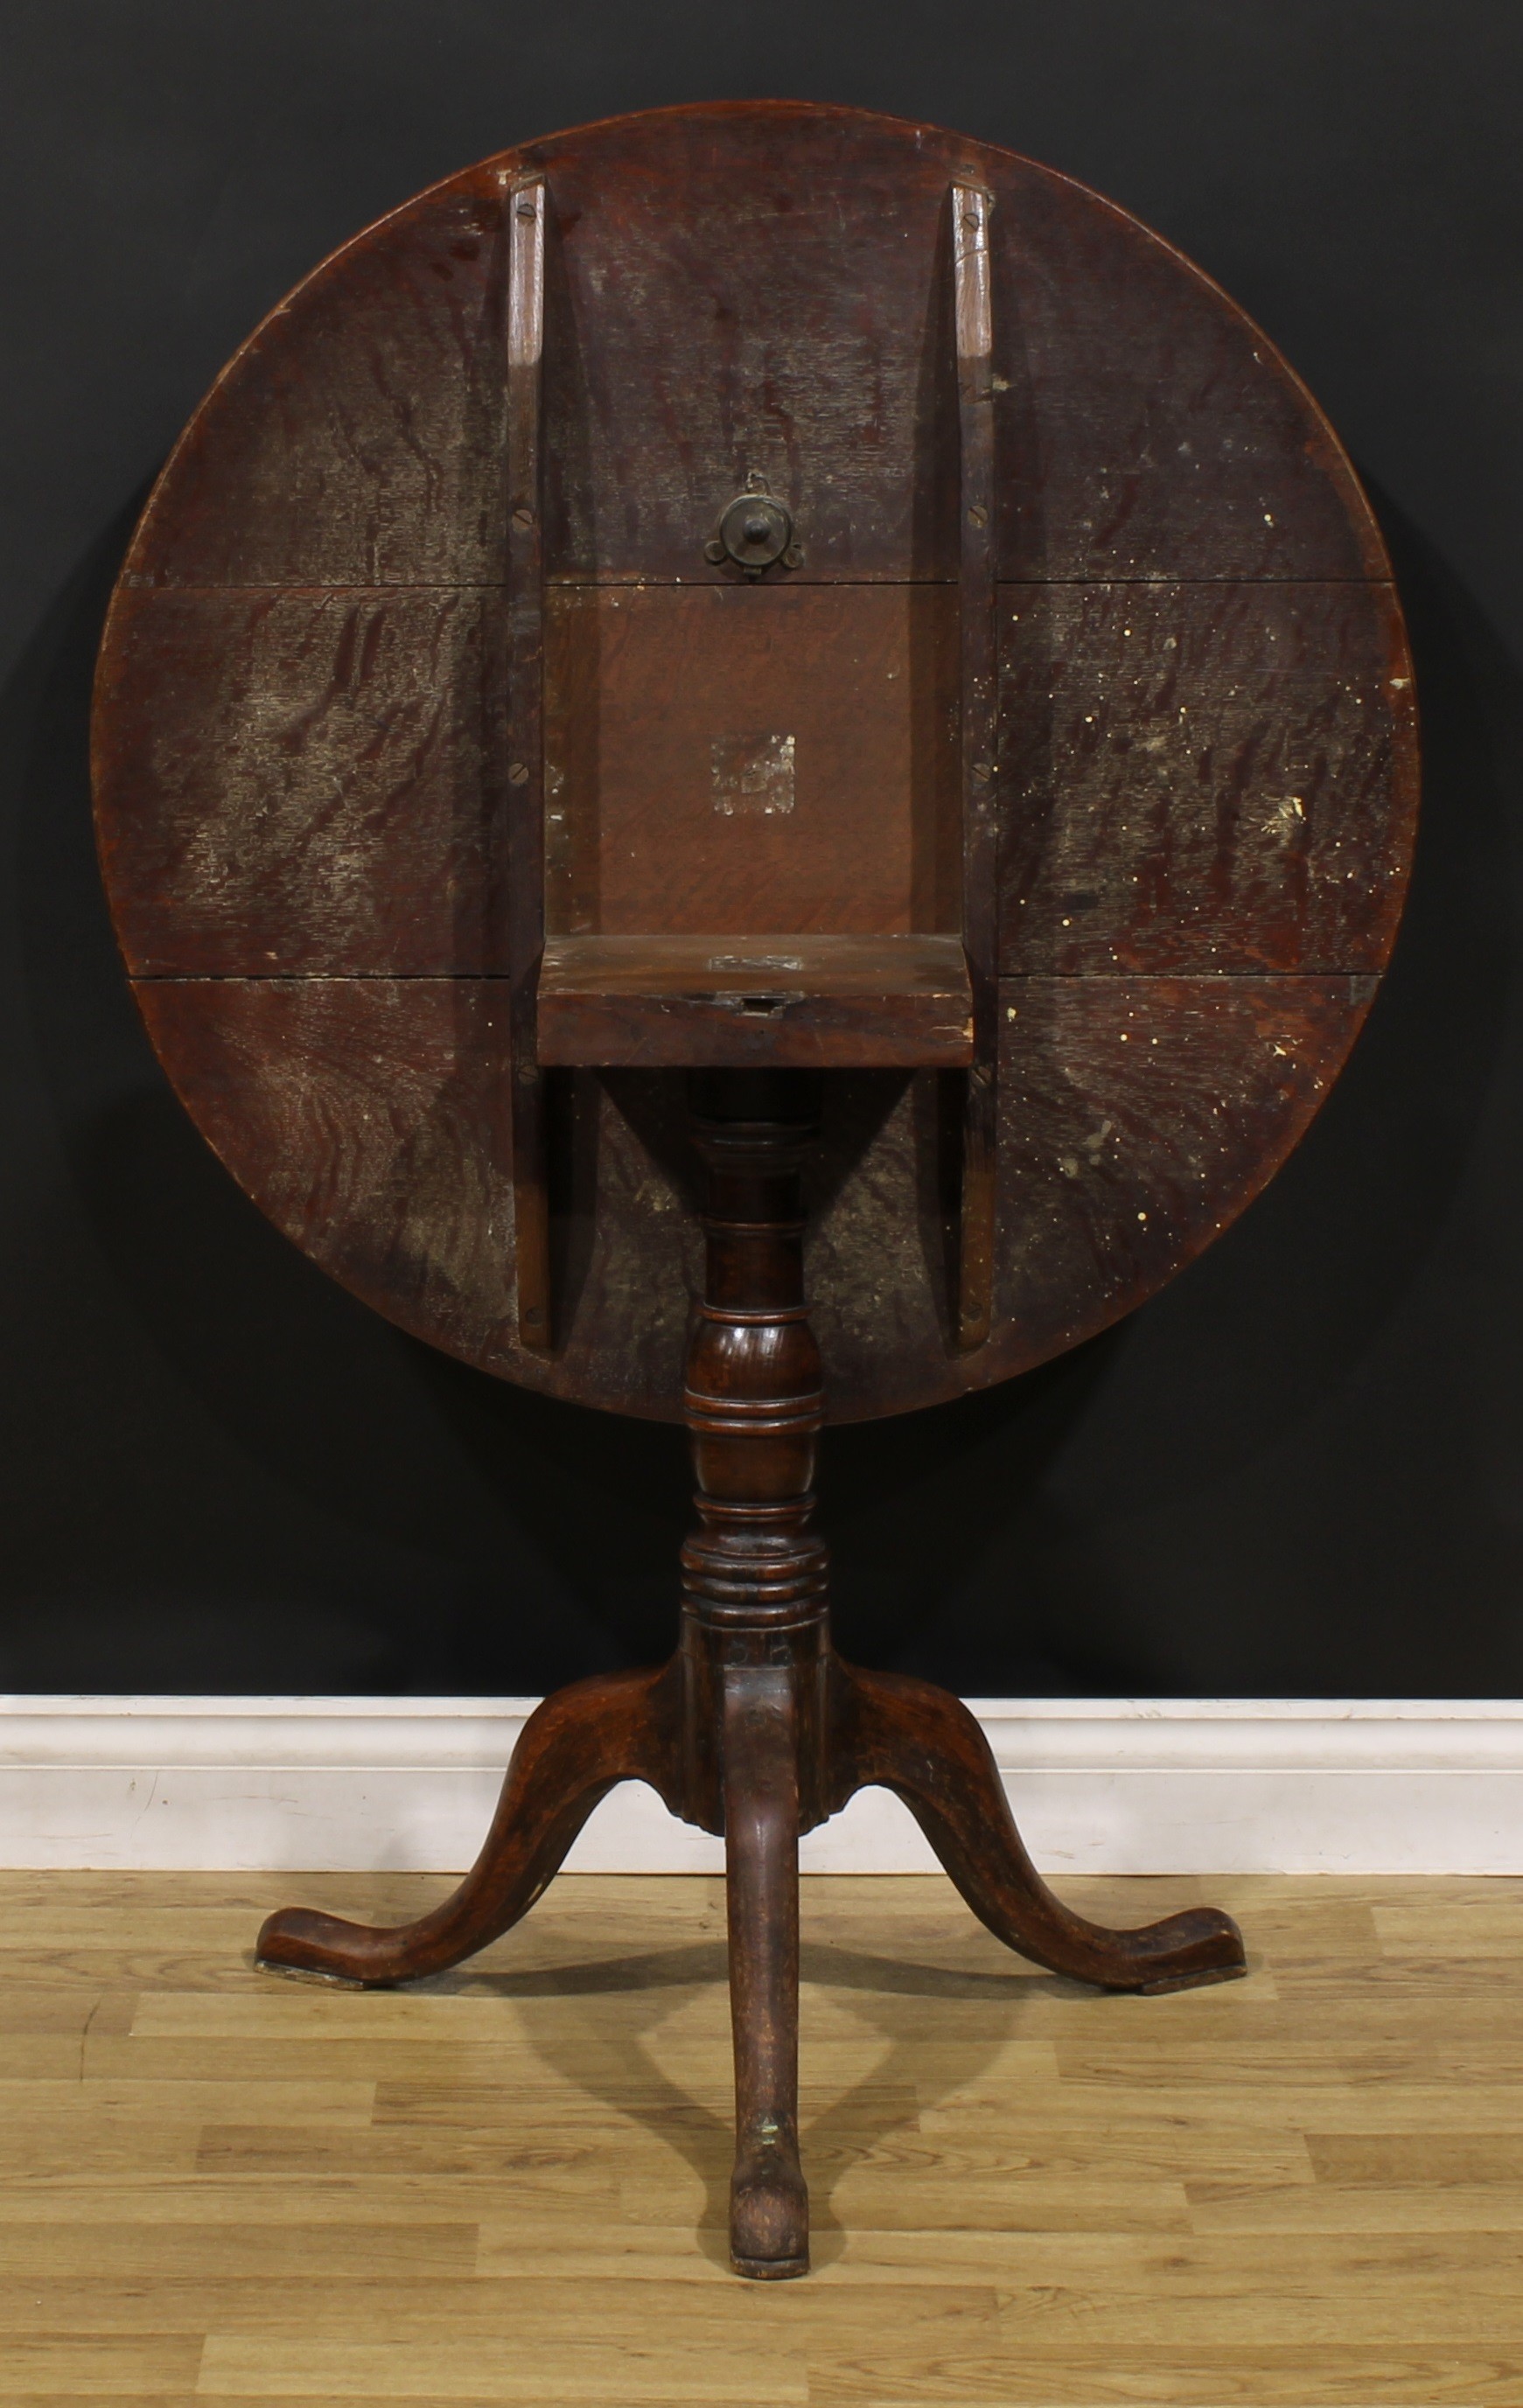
1205 780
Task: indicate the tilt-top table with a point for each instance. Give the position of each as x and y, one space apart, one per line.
748 704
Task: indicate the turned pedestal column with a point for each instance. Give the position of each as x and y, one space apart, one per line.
756 1728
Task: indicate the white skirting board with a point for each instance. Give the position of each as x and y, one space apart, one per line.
1109 1784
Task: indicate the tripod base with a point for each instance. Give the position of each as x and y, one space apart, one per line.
756 1730
875 1728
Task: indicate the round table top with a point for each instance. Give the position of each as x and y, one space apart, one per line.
1207 748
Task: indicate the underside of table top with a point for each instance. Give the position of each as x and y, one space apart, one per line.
1202 731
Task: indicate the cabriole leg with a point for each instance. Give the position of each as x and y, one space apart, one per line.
923 1745
621 1727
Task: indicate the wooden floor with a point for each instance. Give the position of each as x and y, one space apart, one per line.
509 2185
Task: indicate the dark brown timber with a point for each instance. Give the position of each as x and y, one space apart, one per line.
573 1749
802 1002
524 745
978 720
754 1606
1202 758
362 1112
756 1729
995 838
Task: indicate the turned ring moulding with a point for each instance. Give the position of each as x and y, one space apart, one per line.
764 584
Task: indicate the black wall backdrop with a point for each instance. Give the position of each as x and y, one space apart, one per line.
1299 1471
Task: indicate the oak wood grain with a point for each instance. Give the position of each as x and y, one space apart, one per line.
303 780
751 758
366 1116
1206 757
1204 777
1062 634
805 1002
521 752
1208 778
1171 438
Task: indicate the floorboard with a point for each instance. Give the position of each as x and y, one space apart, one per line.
1302 2190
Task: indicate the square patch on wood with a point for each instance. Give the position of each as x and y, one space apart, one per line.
752 774
740 760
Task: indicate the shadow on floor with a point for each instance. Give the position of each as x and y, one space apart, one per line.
611 2058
